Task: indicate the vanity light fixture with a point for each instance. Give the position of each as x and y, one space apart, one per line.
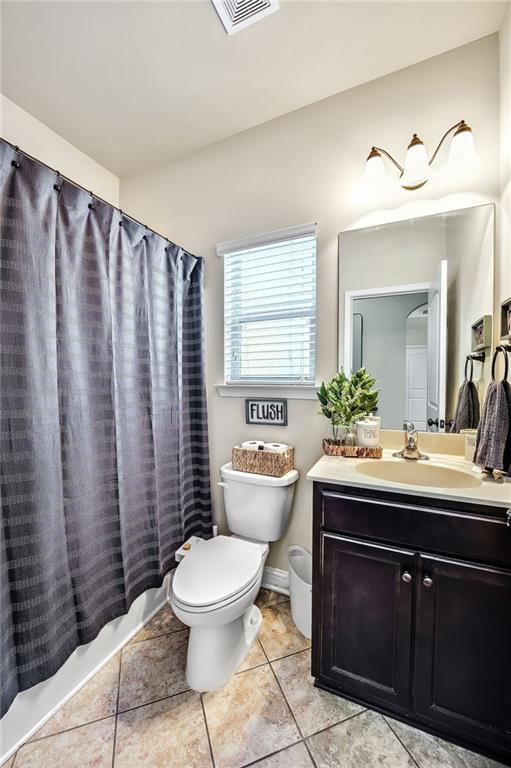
416 171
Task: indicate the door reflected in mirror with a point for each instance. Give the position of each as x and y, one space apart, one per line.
410 292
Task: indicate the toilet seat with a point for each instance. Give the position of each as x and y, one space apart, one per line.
217 572
215 607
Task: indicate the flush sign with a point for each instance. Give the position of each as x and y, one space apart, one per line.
259 411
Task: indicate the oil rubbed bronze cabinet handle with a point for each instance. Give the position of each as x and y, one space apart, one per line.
406 577
427 581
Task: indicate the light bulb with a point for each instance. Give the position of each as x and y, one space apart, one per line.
462 152
375 167
416 171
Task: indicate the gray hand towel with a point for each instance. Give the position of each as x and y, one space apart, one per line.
494 427
467 408
507 449
476 405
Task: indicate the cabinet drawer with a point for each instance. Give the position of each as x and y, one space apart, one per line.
483 537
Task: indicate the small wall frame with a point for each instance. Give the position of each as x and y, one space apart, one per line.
259 410
482 333
505 320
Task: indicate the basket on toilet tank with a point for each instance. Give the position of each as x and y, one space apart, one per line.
266 462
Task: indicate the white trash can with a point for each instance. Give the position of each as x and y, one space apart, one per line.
300 587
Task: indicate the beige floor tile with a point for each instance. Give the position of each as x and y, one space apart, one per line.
431 752
365 740
97 699
167 734
313 708
89 746
164 622
248 719
269 597
279 636
292 757
153 669
254 658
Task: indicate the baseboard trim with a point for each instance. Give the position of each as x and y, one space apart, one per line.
276 579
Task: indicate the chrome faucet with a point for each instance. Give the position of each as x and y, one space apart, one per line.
411 446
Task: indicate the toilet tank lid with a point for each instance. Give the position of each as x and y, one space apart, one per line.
228 473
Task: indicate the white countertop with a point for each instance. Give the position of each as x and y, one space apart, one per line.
341 471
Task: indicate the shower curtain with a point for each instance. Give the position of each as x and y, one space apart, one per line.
104 453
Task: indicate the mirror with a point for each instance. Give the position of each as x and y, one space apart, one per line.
415 299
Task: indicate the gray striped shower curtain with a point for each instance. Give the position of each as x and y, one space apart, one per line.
104 452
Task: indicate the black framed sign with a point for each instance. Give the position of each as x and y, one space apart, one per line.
259 410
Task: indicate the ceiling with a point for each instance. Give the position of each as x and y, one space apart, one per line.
136 84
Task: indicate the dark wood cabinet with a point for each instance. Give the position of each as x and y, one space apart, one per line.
367 628
462 676
412 611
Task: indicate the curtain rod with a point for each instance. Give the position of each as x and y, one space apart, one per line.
97 197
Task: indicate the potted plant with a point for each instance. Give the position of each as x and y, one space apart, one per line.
344 401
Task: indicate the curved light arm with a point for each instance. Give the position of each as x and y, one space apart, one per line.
453 128
387 154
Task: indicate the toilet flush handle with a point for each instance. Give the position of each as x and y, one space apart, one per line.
224 485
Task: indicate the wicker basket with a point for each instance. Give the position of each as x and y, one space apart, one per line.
263 462
351 451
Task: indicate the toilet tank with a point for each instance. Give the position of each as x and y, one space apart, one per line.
257 506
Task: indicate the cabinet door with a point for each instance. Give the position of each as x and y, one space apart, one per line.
463 649
366 619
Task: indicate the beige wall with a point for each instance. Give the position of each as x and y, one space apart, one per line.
35 138
308 165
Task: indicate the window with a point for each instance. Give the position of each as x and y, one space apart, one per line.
270 307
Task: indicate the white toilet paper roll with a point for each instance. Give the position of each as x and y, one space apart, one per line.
254 445
276 447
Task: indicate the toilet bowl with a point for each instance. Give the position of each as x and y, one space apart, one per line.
213 592
215 585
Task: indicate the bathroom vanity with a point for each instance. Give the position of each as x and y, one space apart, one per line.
412 595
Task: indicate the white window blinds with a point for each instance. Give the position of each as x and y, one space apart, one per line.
270 307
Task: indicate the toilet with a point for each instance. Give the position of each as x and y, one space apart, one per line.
215 585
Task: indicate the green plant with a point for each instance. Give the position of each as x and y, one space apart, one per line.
343 400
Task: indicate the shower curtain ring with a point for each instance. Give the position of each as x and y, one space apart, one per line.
15 163
91 205
56 186
121 222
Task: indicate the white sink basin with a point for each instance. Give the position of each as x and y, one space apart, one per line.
417 473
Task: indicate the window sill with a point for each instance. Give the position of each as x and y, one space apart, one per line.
286 391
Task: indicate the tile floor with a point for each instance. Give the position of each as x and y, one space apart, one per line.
137 712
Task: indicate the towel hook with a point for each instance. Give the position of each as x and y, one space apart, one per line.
505 349
480 357
467 361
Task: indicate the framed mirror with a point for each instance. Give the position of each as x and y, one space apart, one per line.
415 309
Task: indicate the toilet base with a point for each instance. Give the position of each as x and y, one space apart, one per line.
215 652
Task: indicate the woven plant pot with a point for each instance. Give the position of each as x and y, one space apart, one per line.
333 447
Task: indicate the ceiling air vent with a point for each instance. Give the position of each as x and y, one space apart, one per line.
237 14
